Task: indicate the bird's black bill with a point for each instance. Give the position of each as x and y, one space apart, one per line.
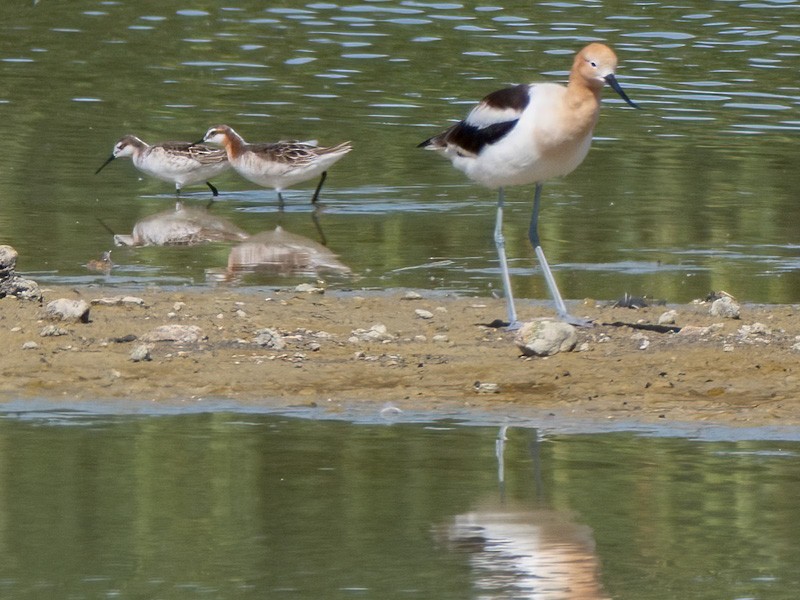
612 81
110 158
198 142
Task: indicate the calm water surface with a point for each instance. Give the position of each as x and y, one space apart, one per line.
696 191
240 505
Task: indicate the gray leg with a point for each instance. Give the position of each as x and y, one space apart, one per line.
533 235
500 244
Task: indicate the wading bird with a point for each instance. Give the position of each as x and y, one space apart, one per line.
528 134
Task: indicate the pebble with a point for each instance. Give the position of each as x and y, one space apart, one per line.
376 333
485 387
140 353
411 296
668 318
725 307
423 314
30 345
545 338
52 330
309 289
65 309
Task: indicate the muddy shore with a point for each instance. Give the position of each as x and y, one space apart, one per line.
283 348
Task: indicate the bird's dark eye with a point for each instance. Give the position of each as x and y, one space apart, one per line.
594 64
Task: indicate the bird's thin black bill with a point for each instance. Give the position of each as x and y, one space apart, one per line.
612 81
110 158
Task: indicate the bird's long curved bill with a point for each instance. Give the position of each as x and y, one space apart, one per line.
612 81
110 158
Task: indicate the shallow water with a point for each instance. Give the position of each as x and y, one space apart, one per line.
244 505
696 191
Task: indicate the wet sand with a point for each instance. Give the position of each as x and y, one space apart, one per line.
288 348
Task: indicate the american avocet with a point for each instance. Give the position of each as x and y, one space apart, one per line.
528 134
277 165
181 163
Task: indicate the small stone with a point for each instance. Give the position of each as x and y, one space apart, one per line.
440 338
140 353
52 330
725 307
269 338
309 289
423 314
545 338
411 296
668 318
485 387
67 310
31 345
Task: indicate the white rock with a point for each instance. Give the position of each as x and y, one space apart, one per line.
65 309
485 387
423 314
309 289
140 353
725 307
668 318
545 338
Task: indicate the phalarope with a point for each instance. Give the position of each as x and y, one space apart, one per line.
101 265
528 134
277 165
181 163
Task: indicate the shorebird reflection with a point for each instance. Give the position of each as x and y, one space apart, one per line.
538 554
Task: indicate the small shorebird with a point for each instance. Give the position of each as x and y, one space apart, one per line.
277 165
101 265
528 134
181 163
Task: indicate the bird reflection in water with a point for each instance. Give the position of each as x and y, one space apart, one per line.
183 226
279 252
540 554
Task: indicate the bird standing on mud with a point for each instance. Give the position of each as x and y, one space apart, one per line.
528 134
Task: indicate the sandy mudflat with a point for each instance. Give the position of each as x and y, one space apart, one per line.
717 370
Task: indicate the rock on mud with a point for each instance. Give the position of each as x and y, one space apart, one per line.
12 284
65 309
725 307
545 338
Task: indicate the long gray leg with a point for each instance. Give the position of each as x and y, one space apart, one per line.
533 236
500 244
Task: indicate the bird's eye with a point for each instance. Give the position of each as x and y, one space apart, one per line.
594 64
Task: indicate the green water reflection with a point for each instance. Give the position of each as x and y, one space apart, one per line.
226 505
697 191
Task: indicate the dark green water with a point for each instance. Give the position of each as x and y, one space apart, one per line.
696 191
238 505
